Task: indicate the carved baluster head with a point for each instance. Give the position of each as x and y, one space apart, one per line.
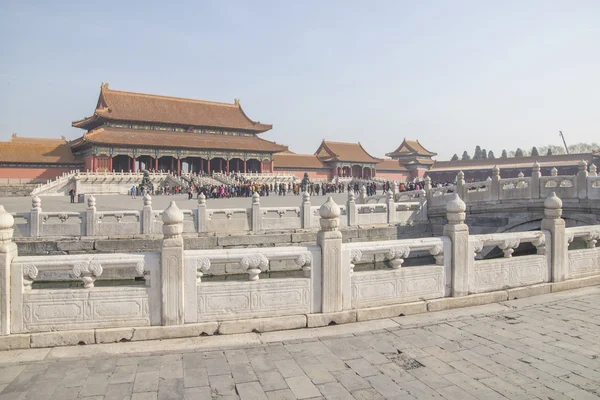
147 200
36 204
553 207
460 178
351 196
201 199
427 182
330 215
394 187
553 172
495 172
305 197
521 175
455 211
7 223
255 198
172 219
535 170
582 166
593 171
91 202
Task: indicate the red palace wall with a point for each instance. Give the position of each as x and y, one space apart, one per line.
33 173
393 176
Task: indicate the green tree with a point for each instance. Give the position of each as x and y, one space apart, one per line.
504 154
484 154
454 157
477 155
519 152
491 154
465 156
534 152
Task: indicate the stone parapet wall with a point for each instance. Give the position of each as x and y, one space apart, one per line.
141 243
171 290
147 221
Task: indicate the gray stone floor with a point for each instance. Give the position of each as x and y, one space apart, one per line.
545 347
123 202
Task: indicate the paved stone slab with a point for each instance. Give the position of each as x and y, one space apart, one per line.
536 349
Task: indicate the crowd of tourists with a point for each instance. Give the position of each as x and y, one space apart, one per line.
246 188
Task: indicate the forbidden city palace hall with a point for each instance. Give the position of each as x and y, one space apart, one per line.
134 131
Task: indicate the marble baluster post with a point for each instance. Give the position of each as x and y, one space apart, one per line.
35 217
172 267
306 215
8 252
582 180
559 247
332 271
458 232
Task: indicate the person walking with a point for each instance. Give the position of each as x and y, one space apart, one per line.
72 194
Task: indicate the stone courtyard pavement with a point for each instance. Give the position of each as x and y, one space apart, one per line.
124 202
544 347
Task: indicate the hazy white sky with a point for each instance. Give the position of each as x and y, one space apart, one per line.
452 74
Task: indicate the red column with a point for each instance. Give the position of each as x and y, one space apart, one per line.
178 166
220 164
227 166
244 166
208 166
93 163
110 159
134 166
156 163
260 166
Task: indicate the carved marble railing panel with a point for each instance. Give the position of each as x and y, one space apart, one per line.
509 271
47 309
515 188
255 298
280 218
111 223
477 191
413 211
372 214
584 262
228 220
440 196
263 298
565 187
411 196
593 187
504 273
61 223
398 284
